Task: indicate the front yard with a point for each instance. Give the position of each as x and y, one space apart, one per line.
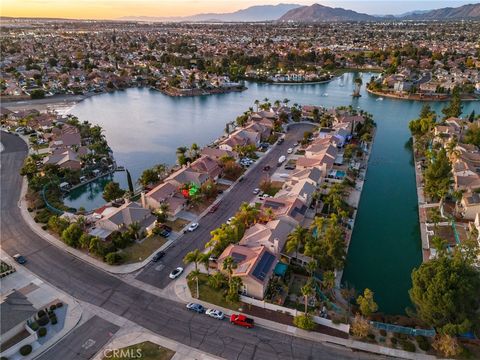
140 251
210 295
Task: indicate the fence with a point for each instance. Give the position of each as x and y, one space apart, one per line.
293 312
403 329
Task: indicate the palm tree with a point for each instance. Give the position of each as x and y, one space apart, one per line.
328 281
286 101
233 287
307 290
135 229
277 103
257 103
181 151
296 239
311 267
216 280
194 150
205 261
194 256
195 274
438 243
229 265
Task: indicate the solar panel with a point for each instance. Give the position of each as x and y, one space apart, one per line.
263 266
238 258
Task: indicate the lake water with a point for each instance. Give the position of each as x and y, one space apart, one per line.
145 127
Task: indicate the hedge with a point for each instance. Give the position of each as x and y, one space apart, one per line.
34 326
408 346
44 320
423 342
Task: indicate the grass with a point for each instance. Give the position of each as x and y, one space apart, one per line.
142 351
177 225
212 296
140 251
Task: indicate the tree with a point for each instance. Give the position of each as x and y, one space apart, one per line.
360 327
182 159
367 305
307 290
447 345
149 176
130 182
71 235
328 281
445 293
57 224
229 265
296 239
454 108
195 275
134 229
162 212
217 280
194 257
112 191
304 321
234 286
438 176
472 135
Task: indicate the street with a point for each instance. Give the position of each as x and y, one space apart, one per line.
156 275
164 317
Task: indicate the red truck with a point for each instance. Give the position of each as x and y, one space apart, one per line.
242 320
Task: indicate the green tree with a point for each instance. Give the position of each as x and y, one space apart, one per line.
112 191
195 275
217 280
472 135
234 286
194 257
71 235
328 281
229 265
445 293
134 229
130 183
307 290
366 303
438 175
454 108
57 224
296 239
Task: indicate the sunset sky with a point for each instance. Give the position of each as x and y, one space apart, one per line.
111 9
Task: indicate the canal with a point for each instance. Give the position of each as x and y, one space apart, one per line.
145 127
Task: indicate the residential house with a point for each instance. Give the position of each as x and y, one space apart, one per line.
119 219
167 193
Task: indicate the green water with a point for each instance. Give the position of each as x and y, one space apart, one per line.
145 127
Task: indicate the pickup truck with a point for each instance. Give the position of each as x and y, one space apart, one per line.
242 320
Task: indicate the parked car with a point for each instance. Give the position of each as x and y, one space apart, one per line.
289 151
229 221
196 307
19 259
165 233
280 141
176 273
256 191
158 256
216 314
192 227
296 144
266 168
241 320
212 258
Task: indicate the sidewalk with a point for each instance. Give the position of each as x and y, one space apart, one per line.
183 293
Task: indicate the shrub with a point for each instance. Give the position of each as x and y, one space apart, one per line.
371 336
394 340
383 332
408 346
423 343
43 320
53 307
54 320
25 350
59 305
42 332
113 258
304 322
34 326
44 227
41 313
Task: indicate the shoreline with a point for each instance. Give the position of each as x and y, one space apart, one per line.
413 97
174 92
293 82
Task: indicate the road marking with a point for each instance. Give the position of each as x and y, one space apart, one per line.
88 344
159 267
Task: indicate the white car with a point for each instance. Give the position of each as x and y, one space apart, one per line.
296 144
192 227
176 273
256 191
229 221
289 151
216 314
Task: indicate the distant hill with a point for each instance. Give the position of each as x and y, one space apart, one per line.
253 13
321 13
467 12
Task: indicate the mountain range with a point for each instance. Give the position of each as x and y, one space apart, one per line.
316 13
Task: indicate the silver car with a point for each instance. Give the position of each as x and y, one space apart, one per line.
216 314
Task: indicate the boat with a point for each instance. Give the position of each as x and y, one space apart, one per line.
380 99
324 94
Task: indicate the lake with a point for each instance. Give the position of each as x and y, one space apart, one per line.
144 127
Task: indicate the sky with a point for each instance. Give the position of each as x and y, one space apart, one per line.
111 9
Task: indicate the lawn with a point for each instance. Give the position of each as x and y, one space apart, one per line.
140 251
177 225
212 296
141 351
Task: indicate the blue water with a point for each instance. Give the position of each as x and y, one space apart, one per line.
145 127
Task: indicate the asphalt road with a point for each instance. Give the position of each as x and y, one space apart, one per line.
156 275
164 317
83 342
